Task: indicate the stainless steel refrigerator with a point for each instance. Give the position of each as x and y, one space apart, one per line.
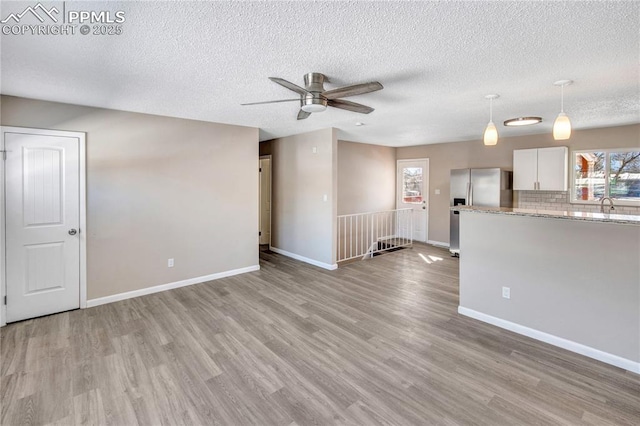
477 187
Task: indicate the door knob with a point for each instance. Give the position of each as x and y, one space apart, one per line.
72 232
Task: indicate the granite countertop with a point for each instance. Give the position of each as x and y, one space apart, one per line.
554 214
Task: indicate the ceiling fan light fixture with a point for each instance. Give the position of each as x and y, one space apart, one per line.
522 121
313 108
490 137
313 103
562 125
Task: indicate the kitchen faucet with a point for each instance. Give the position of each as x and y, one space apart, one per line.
602 203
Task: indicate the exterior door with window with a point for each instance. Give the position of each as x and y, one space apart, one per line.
413 193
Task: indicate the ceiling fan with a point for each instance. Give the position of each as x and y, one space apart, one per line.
313 97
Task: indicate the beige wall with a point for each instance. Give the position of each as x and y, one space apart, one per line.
446 156
302 223
158 188
366 178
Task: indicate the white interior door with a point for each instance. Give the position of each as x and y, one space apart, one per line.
265 200
42 214
413 193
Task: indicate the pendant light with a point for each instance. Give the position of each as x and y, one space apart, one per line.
491 133
562 125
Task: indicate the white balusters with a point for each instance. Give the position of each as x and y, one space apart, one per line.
364 234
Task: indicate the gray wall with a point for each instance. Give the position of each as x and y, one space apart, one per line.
446 156
158 188
302 222
572 279
366 178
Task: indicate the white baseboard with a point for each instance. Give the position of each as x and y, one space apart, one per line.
304 259
438 243
560 342
164 287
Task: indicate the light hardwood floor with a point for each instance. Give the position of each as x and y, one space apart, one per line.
375 342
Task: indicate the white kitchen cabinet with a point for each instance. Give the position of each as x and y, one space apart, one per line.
525 169
543 169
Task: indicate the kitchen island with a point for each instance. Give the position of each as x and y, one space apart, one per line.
571 279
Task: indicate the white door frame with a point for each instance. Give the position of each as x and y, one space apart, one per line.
83 212
270 158
426 187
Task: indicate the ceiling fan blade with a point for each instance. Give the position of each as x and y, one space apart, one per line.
303 114
272 102
356 89
349 106
289 85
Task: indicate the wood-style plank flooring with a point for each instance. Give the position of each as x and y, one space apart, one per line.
375 342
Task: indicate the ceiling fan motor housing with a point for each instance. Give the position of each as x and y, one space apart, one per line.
314 82
314 101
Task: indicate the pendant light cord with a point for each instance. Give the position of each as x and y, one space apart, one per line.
562 98
491 110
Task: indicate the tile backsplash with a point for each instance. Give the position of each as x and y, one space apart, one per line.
559 200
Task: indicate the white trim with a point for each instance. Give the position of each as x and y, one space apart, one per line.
3 273
560 342
304 259
83 219
438 243
82 180
170 286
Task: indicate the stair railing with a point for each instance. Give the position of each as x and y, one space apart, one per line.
365 234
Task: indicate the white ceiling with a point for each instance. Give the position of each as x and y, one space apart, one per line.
437 61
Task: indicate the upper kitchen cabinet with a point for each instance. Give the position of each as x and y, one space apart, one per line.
543 169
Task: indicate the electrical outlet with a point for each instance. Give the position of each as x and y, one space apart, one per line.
437 192
170 263
314 150
506 292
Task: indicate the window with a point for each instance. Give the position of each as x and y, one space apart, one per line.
412 185
606 173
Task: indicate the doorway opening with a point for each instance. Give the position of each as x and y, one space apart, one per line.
264 231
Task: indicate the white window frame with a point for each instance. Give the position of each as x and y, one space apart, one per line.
607 171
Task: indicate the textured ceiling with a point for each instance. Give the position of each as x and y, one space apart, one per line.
437 60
